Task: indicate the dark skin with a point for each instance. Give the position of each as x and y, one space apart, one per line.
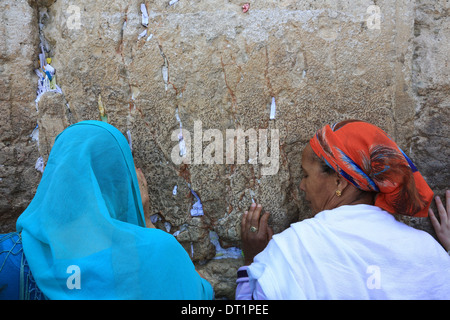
254 242
442 226
320 191
143 188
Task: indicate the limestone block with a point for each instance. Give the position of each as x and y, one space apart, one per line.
53 117
215 72
18 154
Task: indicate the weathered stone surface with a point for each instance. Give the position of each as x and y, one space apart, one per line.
18 154
53 118
431 84
222 276
210 65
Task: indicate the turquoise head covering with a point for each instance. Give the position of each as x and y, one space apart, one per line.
84 232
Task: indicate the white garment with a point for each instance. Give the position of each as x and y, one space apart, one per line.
352 252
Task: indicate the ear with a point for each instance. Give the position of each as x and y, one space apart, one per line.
341 182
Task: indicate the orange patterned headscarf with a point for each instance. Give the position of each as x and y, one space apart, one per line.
369 159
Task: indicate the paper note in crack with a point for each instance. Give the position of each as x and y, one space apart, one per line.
155 218
272 109
165 74
42 58
142 34
101 109
221 253
181 142
144 15
35 135
130 142
47 79
197 208
182 228
39 166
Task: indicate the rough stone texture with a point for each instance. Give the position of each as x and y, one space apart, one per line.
18 51
429 145
322 61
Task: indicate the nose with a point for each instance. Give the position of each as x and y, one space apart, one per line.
302 185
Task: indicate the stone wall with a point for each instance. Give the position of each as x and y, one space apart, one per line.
18 47
208 67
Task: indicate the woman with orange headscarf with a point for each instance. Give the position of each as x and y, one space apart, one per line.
355 179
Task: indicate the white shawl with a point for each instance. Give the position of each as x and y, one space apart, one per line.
352 252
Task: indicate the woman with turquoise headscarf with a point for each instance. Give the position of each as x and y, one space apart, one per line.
84 234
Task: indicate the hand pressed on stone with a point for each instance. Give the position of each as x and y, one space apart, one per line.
255 232
442 228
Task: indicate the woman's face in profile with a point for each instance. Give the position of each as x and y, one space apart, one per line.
319 186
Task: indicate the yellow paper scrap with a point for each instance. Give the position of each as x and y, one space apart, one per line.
102 110
53 83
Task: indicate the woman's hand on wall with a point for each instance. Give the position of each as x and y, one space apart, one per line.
255 232
442 227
